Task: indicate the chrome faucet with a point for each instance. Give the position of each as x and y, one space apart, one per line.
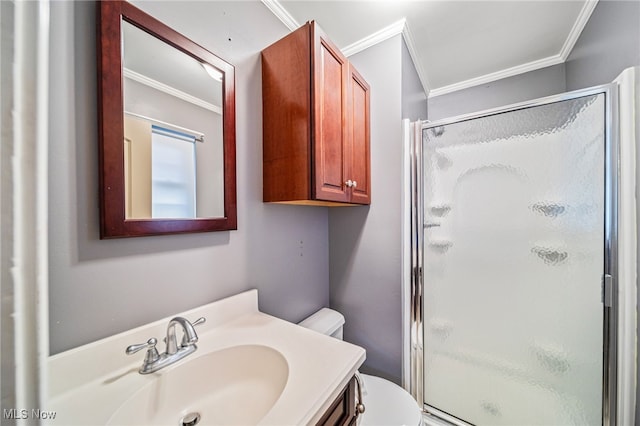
153 361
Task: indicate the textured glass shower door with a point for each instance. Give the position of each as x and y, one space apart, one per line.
513 258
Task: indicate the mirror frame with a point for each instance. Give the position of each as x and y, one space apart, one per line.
113 222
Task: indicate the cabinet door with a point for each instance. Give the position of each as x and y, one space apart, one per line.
359 141
342 411
330 105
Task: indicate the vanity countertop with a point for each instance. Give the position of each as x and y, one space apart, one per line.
88 384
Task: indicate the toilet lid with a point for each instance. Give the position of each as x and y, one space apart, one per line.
387 403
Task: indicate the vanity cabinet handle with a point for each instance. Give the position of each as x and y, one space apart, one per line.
355 183
360 402
349 183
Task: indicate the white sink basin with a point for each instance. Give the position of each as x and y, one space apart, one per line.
233 386
250 368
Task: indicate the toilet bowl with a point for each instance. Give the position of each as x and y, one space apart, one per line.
385 402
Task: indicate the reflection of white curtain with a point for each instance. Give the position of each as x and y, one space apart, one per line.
173 174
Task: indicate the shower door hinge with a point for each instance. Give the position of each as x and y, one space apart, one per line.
607 290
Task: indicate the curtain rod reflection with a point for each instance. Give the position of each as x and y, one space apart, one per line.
199 136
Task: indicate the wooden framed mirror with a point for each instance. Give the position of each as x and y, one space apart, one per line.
166 114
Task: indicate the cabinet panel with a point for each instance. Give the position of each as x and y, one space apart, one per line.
331 68
359 143
286 122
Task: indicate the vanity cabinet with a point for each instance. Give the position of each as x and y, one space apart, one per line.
343 410
315 123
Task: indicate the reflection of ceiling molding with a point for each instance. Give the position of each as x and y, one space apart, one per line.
170 90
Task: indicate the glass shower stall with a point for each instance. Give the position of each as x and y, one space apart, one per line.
514 263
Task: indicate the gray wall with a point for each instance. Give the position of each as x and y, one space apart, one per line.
101 287
609 43
365 242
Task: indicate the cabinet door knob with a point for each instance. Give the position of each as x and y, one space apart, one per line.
349 183
355 183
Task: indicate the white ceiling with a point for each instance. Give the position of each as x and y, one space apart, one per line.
454 44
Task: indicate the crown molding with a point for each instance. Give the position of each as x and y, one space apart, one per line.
398 27
402 27
498 75
281 13
411 47
375 38
561 57
578 26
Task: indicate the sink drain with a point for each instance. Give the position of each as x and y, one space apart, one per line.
191 419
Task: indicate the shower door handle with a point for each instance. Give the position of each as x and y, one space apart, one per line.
607 290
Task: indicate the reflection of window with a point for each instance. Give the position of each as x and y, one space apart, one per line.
173 174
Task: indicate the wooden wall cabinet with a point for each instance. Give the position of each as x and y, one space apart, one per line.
315 123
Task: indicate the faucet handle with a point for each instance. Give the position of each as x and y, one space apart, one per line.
199 321
152 353
132 349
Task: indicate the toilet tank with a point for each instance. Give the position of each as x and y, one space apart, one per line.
325 321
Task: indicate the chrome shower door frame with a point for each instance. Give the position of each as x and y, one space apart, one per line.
610 267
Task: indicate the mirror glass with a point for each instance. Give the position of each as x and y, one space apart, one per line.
173 148
167 131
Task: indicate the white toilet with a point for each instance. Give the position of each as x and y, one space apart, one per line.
385 402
